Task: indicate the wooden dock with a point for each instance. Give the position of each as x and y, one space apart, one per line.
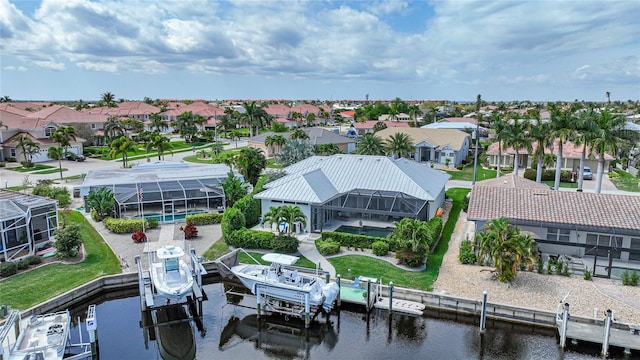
622 338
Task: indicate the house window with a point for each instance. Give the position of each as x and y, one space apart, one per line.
12 152
49 131
93 126
562 235
604 240
635 244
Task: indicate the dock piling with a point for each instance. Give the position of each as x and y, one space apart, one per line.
390 297
565 324
607 332
483 313
258 296
338 301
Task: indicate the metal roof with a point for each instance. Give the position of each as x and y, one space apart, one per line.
338 174
162 173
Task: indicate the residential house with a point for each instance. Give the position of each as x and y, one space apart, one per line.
317 136
447 147
338 187
366 127
278 110
571 155
401 117
599 231
27 224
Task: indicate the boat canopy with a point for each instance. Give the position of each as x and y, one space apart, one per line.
170 251
280 258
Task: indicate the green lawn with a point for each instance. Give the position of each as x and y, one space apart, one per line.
367 266
36 167
45 282
271 163
50 171
195 158
467 173
625 181
220 248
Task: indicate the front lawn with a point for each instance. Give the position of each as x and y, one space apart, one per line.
467 173
625 181
36 167
32 287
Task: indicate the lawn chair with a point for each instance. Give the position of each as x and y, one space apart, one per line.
356 283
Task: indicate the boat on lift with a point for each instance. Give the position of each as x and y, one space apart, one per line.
170 273
281 280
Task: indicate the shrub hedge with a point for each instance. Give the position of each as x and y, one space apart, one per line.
355 240
467 255
548 175
204 218
8 268
327 247
232 220
256 239
123 226
250 207
380 248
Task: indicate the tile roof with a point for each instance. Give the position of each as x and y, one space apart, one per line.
65 115
369 124
15 121
305 109
13 110
325 177
512 181
279 110
436 137
317 136
538 206
460 119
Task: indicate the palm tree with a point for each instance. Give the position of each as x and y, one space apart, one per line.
562 129
414 111
250 162
327 149
413 235
286 214
275 141
160 144
157 123
299 134
499 125
63 136
370 144
310 119
253 116
540 134
609 136
399 145
56 153
113 127
108 99
502 244
234 189
121 146
187 125
608 95
585 130
379 126
517 136
27 147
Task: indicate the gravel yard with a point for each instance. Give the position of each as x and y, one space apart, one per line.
533 290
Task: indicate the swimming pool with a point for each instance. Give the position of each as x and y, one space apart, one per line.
365 230
179 215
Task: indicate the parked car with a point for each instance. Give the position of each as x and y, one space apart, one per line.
74 157
587 174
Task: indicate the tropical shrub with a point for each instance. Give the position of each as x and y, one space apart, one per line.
23 264
102 201
410 258
60 194
587 274
139 236
630 278
250 207
380 248
467 255
190 231
68 241
123 226
8 268
327 247
232 220
256 239
34 260
204 218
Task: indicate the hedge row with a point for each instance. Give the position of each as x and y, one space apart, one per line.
11 268
256 239
355 240
327 247
548 175
204 218
123 226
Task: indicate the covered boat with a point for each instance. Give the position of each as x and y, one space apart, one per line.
42 337
282 280
170 274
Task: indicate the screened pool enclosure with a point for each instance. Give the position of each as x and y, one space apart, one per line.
165 191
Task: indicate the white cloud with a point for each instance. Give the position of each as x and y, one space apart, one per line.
14 68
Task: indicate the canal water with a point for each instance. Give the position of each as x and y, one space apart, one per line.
230 331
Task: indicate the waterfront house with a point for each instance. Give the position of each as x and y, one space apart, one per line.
337 187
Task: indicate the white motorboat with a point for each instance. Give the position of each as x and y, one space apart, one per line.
170 274
282 280
42 337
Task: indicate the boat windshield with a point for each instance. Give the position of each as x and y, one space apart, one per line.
171 264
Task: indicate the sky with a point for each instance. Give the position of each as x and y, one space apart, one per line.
320 50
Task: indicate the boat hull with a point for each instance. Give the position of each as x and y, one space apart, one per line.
42 337
172 286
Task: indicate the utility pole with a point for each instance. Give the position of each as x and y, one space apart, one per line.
476 136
